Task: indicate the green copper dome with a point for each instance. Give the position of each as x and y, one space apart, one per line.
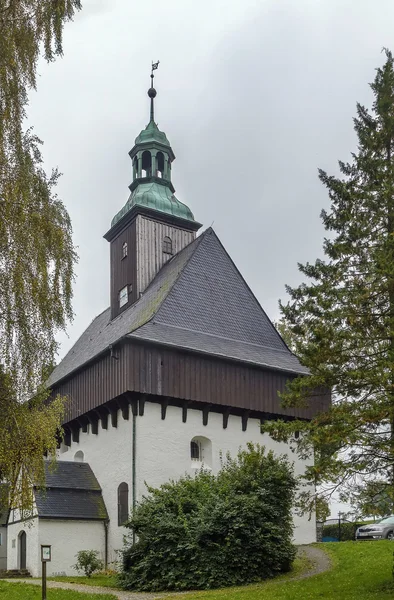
157 197
152 158
152 133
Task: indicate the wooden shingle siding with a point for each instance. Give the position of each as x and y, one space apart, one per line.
150 255
123 270
182 376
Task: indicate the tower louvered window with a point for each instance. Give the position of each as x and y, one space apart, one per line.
167 245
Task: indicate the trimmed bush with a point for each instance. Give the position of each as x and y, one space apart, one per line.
214 531
88 562
348 530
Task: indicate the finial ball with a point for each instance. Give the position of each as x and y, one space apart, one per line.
152 92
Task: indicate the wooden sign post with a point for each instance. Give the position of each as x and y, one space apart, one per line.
46 556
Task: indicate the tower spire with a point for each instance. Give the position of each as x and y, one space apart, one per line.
152 92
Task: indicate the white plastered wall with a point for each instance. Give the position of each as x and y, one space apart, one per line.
163 453
163 450
31 528
67 538
109 455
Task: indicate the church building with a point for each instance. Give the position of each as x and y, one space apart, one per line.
181 368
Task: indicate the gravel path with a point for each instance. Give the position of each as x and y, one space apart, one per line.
319 559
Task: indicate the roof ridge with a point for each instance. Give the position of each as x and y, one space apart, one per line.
222 337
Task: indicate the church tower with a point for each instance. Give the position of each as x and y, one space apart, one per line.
153 225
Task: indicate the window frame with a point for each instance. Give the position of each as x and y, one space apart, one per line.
167 245
123 503
197 445
123 301
124 250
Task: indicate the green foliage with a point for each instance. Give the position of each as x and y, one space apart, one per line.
36 249
212 531
88 562
341 320
322 509
346 532
374 498
37 255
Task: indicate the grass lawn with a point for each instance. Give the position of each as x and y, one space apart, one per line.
20 591
361 571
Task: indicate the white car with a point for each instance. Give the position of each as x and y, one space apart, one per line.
381 530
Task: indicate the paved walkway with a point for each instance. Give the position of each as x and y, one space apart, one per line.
319 559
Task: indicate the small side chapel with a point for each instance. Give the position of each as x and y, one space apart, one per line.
182 366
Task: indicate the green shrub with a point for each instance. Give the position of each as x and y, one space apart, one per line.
88 562
348 531
213 531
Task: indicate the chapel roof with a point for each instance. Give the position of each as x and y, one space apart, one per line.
199 302
71 492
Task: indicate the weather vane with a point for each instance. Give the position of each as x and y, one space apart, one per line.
152 91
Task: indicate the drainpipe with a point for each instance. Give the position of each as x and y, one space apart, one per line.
133 462
106 544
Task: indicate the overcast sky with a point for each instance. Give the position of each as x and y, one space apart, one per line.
254 96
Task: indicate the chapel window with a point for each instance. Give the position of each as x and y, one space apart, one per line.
78 456
201 453
167 245
124 250
123 503
195 450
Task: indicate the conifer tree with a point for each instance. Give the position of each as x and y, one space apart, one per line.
37 255
341 320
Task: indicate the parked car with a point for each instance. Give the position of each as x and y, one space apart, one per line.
380 530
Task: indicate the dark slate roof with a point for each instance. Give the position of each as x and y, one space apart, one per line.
198 301
71 492
70 475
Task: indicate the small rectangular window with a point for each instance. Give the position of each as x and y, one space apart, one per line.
123 296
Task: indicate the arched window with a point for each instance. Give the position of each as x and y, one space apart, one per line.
167 245
160 164
135 168
195 450
124 250
146 164
123 503
201 452
78 456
